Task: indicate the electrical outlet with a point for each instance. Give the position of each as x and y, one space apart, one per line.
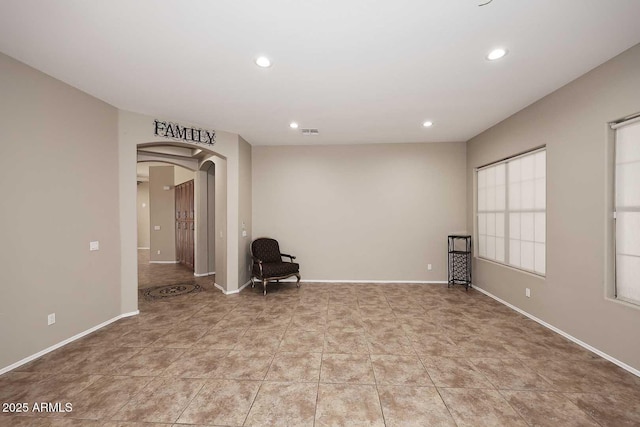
527 292
158 251
51 319
429 267
94 246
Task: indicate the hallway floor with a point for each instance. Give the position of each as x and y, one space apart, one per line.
150 275
325 355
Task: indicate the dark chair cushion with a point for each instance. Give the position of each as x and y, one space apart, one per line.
266 250
276 269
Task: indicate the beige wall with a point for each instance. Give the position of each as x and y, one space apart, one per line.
162 214
244 212
182 175
572 123
59 177
362 212
143 215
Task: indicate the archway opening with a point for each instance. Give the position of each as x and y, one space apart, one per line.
167 222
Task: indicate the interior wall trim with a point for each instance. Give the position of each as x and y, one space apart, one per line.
374 282
143 247
237 291
65 342
211 273
563 333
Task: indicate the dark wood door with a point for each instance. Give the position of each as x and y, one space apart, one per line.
185 224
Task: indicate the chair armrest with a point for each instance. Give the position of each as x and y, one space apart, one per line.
258 261
291 257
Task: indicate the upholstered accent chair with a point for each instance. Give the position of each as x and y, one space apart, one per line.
268 264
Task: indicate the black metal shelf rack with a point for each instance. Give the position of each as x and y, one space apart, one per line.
459 261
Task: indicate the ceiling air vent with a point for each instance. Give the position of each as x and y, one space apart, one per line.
310 132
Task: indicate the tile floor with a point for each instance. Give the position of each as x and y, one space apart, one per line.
150 275
325 355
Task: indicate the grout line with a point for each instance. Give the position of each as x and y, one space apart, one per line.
192 399
446 406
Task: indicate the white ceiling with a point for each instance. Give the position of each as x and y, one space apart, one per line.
361 71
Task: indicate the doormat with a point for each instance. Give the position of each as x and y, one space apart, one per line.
167 291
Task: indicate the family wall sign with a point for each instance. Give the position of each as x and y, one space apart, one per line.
183 133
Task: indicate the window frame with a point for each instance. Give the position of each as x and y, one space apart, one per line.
507 211
614 210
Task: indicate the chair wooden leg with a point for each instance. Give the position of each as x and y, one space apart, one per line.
298 281
264 286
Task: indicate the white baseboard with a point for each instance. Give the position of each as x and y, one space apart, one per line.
65 342
237 291
563 333
142 247
211 273
373 282
164 262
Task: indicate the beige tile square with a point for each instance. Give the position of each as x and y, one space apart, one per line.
259 340
149 362
480 346
301 340
438 345
547 409
295 366
348 405
345 341
221 402
389 344
133 424
346 368
139 337
454 372
42 387
242 365
510 374
162 400
411 406
103 360
220 339
394 370
615 410
480 407
570 375
179 338
196 363
284 404
104 397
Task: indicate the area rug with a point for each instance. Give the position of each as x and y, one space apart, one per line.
168 291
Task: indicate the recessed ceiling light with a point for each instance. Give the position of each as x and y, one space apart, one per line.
427 124
496 54
293 125
263 61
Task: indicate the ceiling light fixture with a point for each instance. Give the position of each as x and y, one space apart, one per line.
427 124
293 125
496 54
263 61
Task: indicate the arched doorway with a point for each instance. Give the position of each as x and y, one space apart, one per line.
206 170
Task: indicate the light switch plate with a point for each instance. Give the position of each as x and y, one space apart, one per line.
94 246
156 227
51 319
